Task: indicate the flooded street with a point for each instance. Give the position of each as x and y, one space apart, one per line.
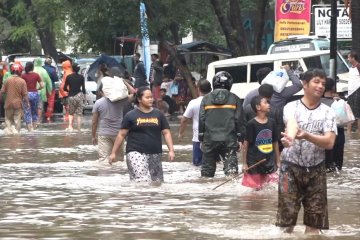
52 187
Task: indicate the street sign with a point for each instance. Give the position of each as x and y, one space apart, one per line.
321 23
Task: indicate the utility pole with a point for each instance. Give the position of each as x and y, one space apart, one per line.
333 39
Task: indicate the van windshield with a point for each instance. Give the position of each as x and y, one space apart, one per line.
323 62
323 45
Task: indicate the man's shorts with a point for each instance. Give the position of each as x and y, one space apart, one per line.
105 145
302 185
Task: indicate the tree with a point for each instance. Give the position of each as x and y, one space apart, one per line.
96 23
230 18
35 19
44 15
161 26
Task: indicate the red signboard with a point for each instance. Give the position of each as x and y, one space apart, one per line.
292 17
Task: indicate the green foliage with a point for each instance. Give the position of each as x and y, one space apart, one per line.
48 14
95 24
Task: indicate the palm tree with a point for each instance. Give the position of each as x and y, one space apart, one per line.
354 7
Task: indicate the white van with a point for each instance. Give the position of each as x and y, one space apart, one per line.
299 43
243 69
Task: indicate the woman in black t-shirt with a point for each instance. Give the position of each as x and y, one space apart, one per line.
143 126
75 86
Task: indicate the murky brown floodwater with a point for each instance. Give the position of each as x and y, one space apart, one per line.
52 187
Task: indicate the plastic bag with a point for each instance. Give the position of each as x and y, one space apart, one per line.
343 112
278 79
114 88
174 89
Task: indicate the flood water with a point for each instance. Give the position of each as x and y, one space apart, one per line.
53 188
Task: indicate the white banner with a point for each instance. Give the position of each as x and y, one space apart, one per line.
322 20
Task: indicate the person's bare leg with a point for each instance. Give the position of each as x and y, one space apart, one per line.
8 121
78 118
66 112
358 126
348 128
311 230
17 120
71 118
30 127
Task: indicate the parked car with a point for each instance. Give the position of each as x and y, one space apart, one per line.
84 63
243 69
90 85
90 88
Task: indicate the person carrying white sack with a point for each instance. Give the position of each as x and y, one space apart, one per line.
108 115
279 99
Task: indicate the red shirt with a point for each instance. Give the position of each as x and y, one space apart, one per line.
31 79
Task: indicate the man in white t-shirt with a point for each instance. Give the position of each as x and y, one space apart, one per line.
192 112
354 89
310 129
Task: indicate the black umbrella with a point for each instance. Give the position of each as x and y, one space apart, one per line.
109 61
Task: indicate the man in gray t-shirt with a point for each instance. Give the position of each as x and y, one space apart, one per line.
107 118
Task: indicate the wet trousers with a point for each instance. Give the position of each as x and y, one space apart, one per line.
212 151
144 167
335 157
105 146
197 154
30 112
13 118
50 107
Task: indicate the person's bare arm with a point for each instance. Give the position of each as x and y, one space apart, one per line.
290 132
324 141
118 141
296 86
41 84
94 125
169 143
183 124
131 90
277 153
244 155
129 87
25 94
